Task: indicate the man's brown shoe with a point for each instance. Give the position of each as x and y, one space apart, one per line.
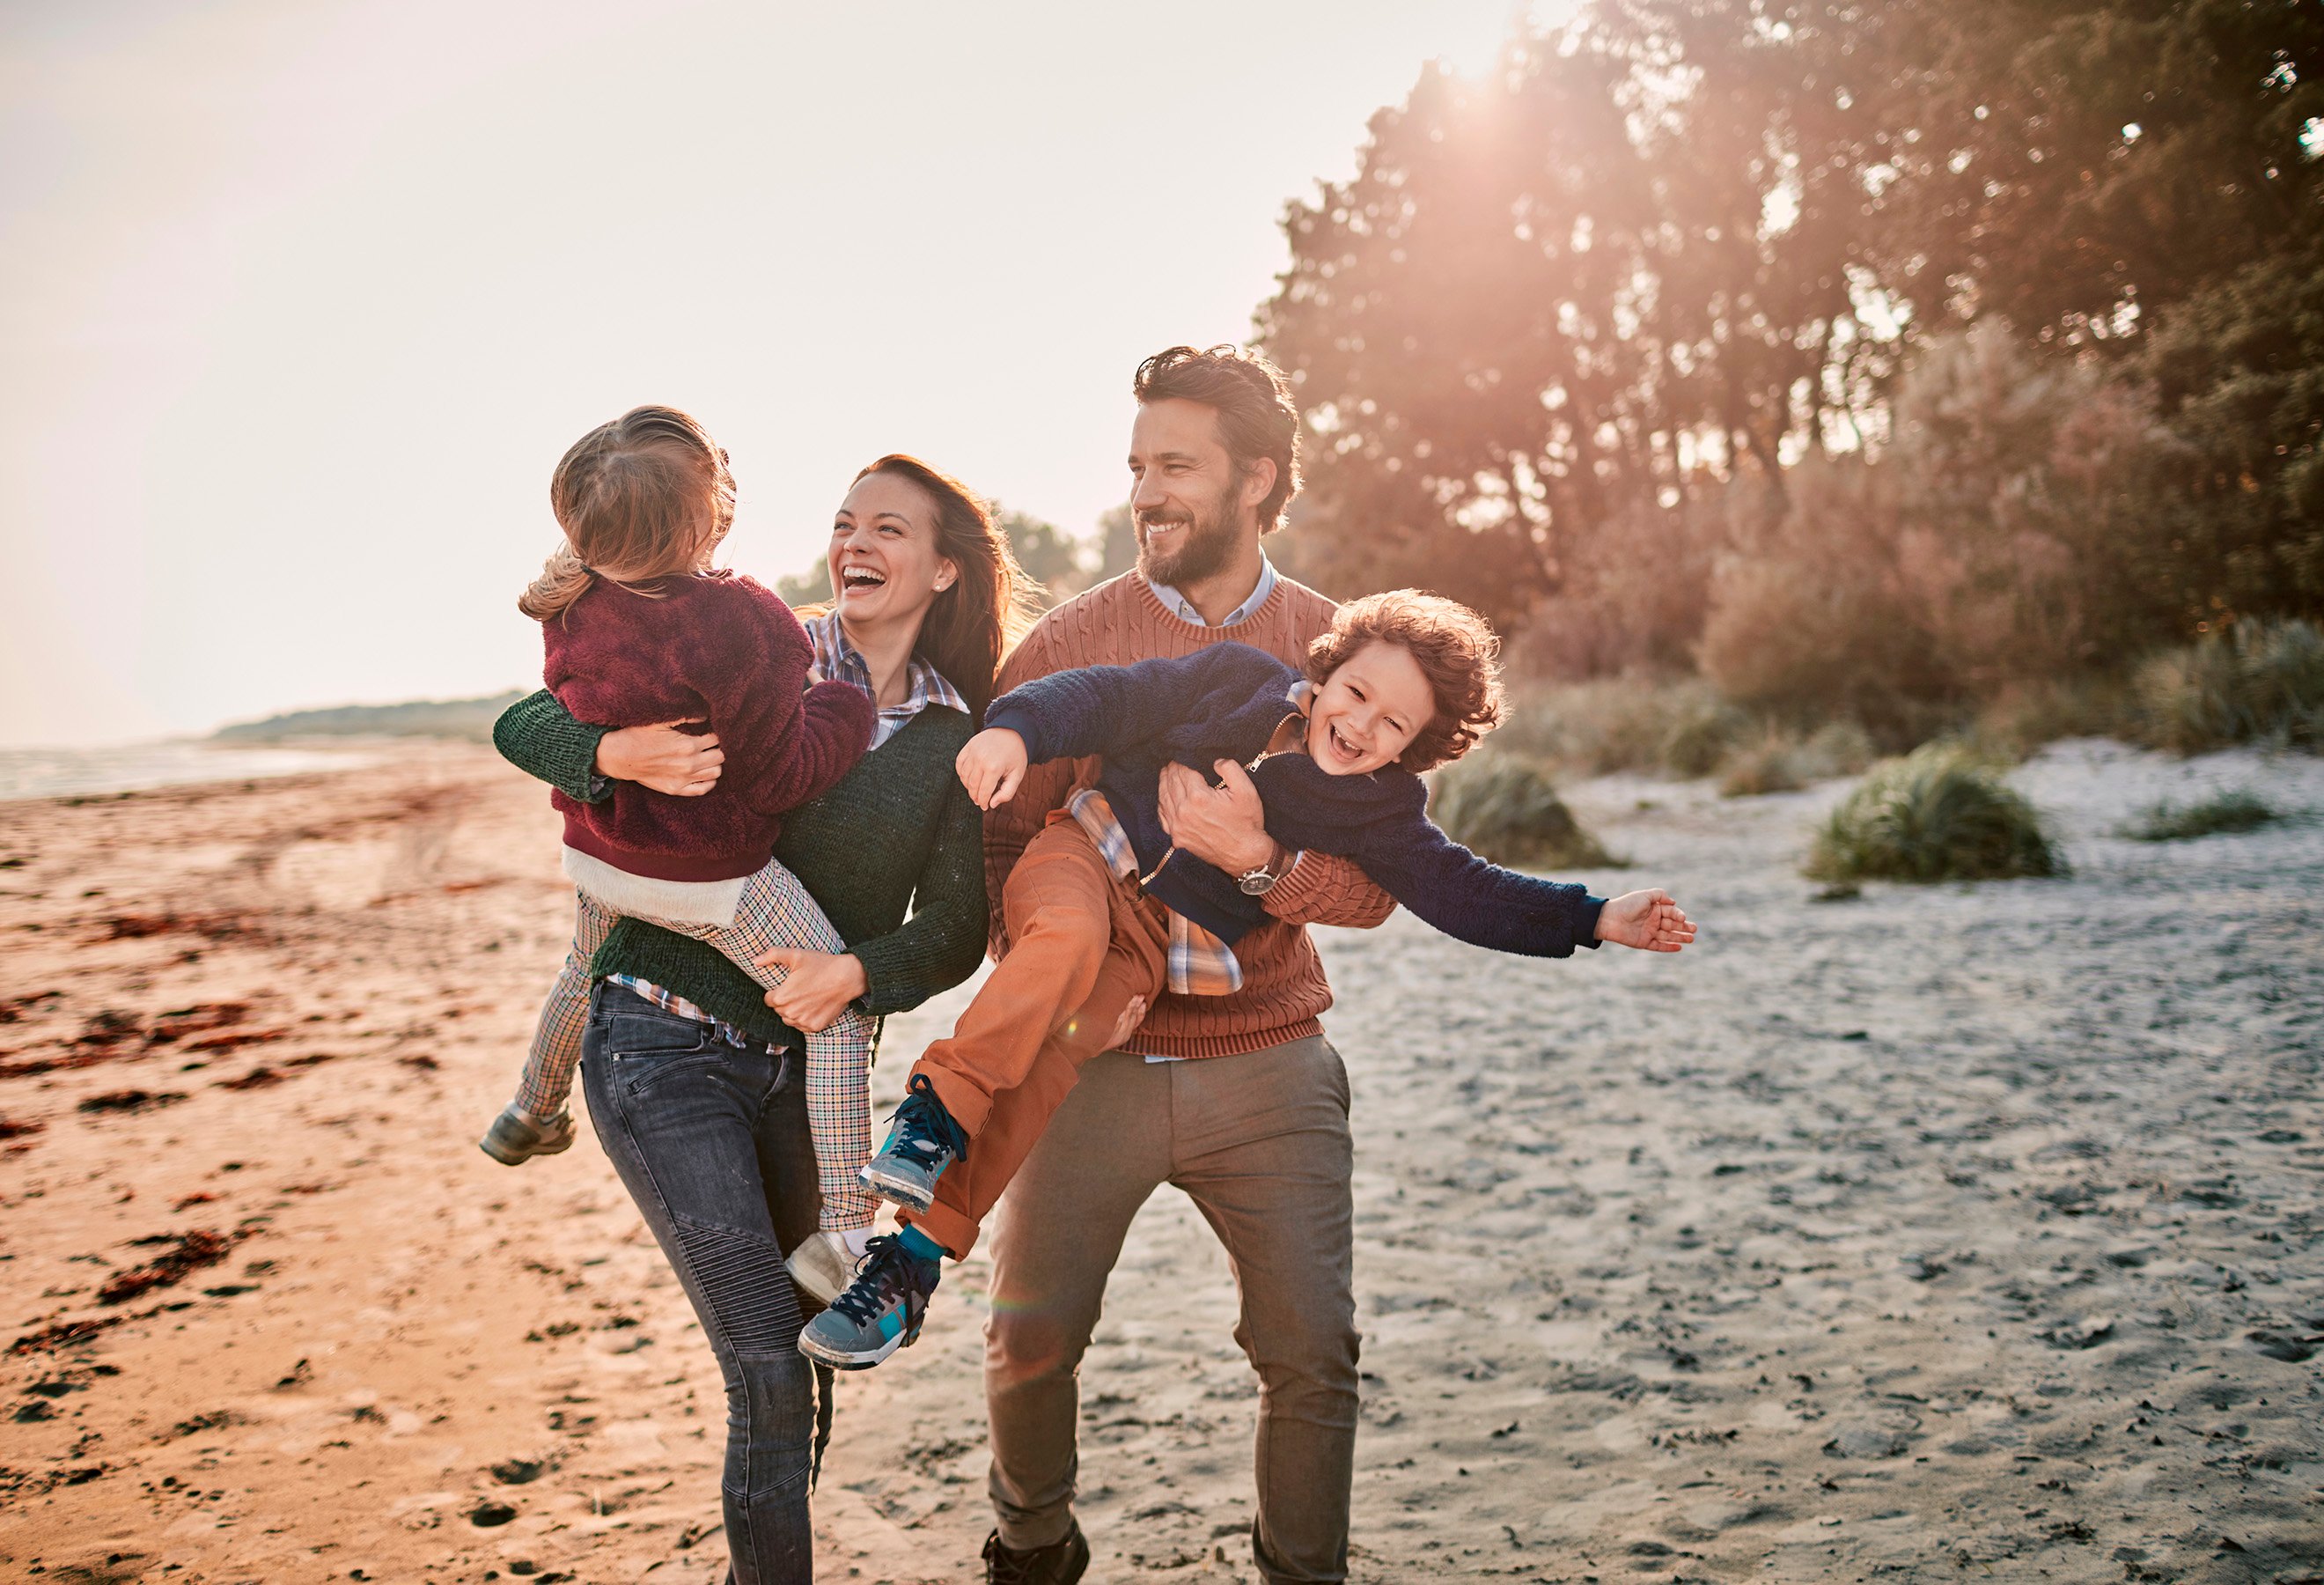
1059 1563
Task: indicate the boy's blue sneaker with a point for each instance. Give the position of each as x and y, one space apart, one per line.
879 1313
922 1143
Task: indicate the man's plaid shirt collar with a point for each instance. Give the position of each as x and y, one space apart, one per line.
836 660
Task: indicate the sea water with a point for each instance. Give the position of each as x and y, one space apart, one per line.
57 773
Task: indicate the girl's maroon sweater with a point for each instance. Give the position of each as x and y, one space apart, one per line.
719 647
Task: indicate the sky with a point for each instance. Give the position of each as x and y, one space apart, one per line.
301 302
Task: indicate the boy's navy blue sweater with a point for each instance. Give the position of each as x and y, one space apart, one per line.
1224 701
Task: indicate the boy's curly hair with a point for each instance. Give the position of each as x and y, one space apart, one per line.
1457 650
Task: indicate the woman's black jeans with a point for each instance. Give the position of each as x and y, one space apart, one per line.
712 1141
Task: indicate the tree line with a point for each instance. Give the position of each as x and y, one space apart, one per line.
1862 354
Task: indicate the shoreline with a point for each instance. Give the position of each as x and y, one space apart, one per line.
39 775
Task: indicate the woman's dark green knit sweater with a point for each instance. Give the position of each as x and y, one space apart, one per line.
898 833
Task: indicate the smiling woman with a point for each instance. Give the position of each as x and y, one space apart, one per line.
917 562
740 1158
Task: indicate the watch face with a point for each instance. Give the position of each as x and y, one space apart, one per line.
1257 883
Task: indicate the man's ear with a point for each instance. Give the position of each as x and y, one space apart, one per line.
1257 483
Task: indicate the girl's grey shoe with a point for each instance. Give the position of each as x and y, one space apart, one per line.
517 1136
825 1264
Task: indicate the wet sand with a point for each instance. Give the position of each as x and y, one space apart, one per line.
1955 1232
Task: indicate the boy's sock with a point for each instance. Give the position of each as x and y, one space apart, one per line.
921 1246
924 1141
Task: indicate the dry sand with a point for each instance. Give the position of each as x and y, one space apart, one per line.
1957 1232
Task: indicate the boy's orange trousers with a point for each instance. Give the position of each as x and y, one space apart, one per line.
1083 941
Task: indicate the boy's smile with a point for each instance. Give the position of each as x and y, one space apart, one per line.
1368 711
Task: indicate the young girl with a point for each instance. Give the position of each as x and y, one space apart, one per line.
1104 912
640 628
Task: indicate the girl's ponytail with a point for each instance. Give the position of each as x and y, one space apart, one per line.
645 498
564 578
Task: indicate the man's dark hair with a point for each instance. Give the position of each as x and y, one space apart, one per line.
1257 417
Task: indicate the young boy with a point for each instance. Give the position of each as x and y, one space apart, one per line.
1103 914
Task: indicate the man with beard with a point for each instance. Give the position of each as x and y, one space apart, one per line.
1236 1099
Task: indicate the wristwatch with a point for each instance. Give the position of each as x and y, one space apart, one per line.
1260 881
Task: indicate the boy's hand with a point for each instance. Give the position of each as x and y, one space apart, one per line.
1648 921
1126 1024
990 766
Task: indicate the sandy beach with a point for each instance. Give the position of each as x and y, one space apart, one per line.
1964 1232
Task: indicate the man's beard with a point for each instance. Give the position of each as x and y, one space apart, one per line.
1207 543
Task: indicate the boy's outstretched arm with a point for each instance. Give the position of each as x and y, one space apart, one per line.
1488 905
1649 921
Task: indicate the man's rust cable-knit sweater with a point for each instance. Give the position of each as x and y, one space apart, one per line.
1284 990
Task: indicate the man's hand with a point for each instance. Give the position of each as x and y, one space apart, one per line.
1223 826
990 766
1648 921
817 985
663 758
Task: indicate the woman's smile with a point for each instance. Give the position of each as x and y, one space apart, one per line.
858 578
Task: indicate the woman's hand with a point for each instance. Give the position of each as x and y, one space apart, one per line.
991 766
1648 921
662 757
817 985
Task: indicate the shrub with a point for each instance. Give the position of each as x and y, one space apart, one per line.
1697 733
1783 761
2027 714
2260 681
2232 811
1938 814
1624 724
1811 617
1631 595
1838 748
1774 763
1505 809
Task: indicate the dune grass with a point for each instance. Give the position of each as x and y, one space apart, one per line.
1940 814
1504 808
1671 726
1782 761
2261 683
2230 810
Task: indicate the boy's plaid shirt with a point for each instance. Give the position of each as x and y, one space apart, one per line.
1200 964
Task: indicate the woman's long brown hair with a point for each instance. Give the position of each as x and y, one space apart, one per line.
989 606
